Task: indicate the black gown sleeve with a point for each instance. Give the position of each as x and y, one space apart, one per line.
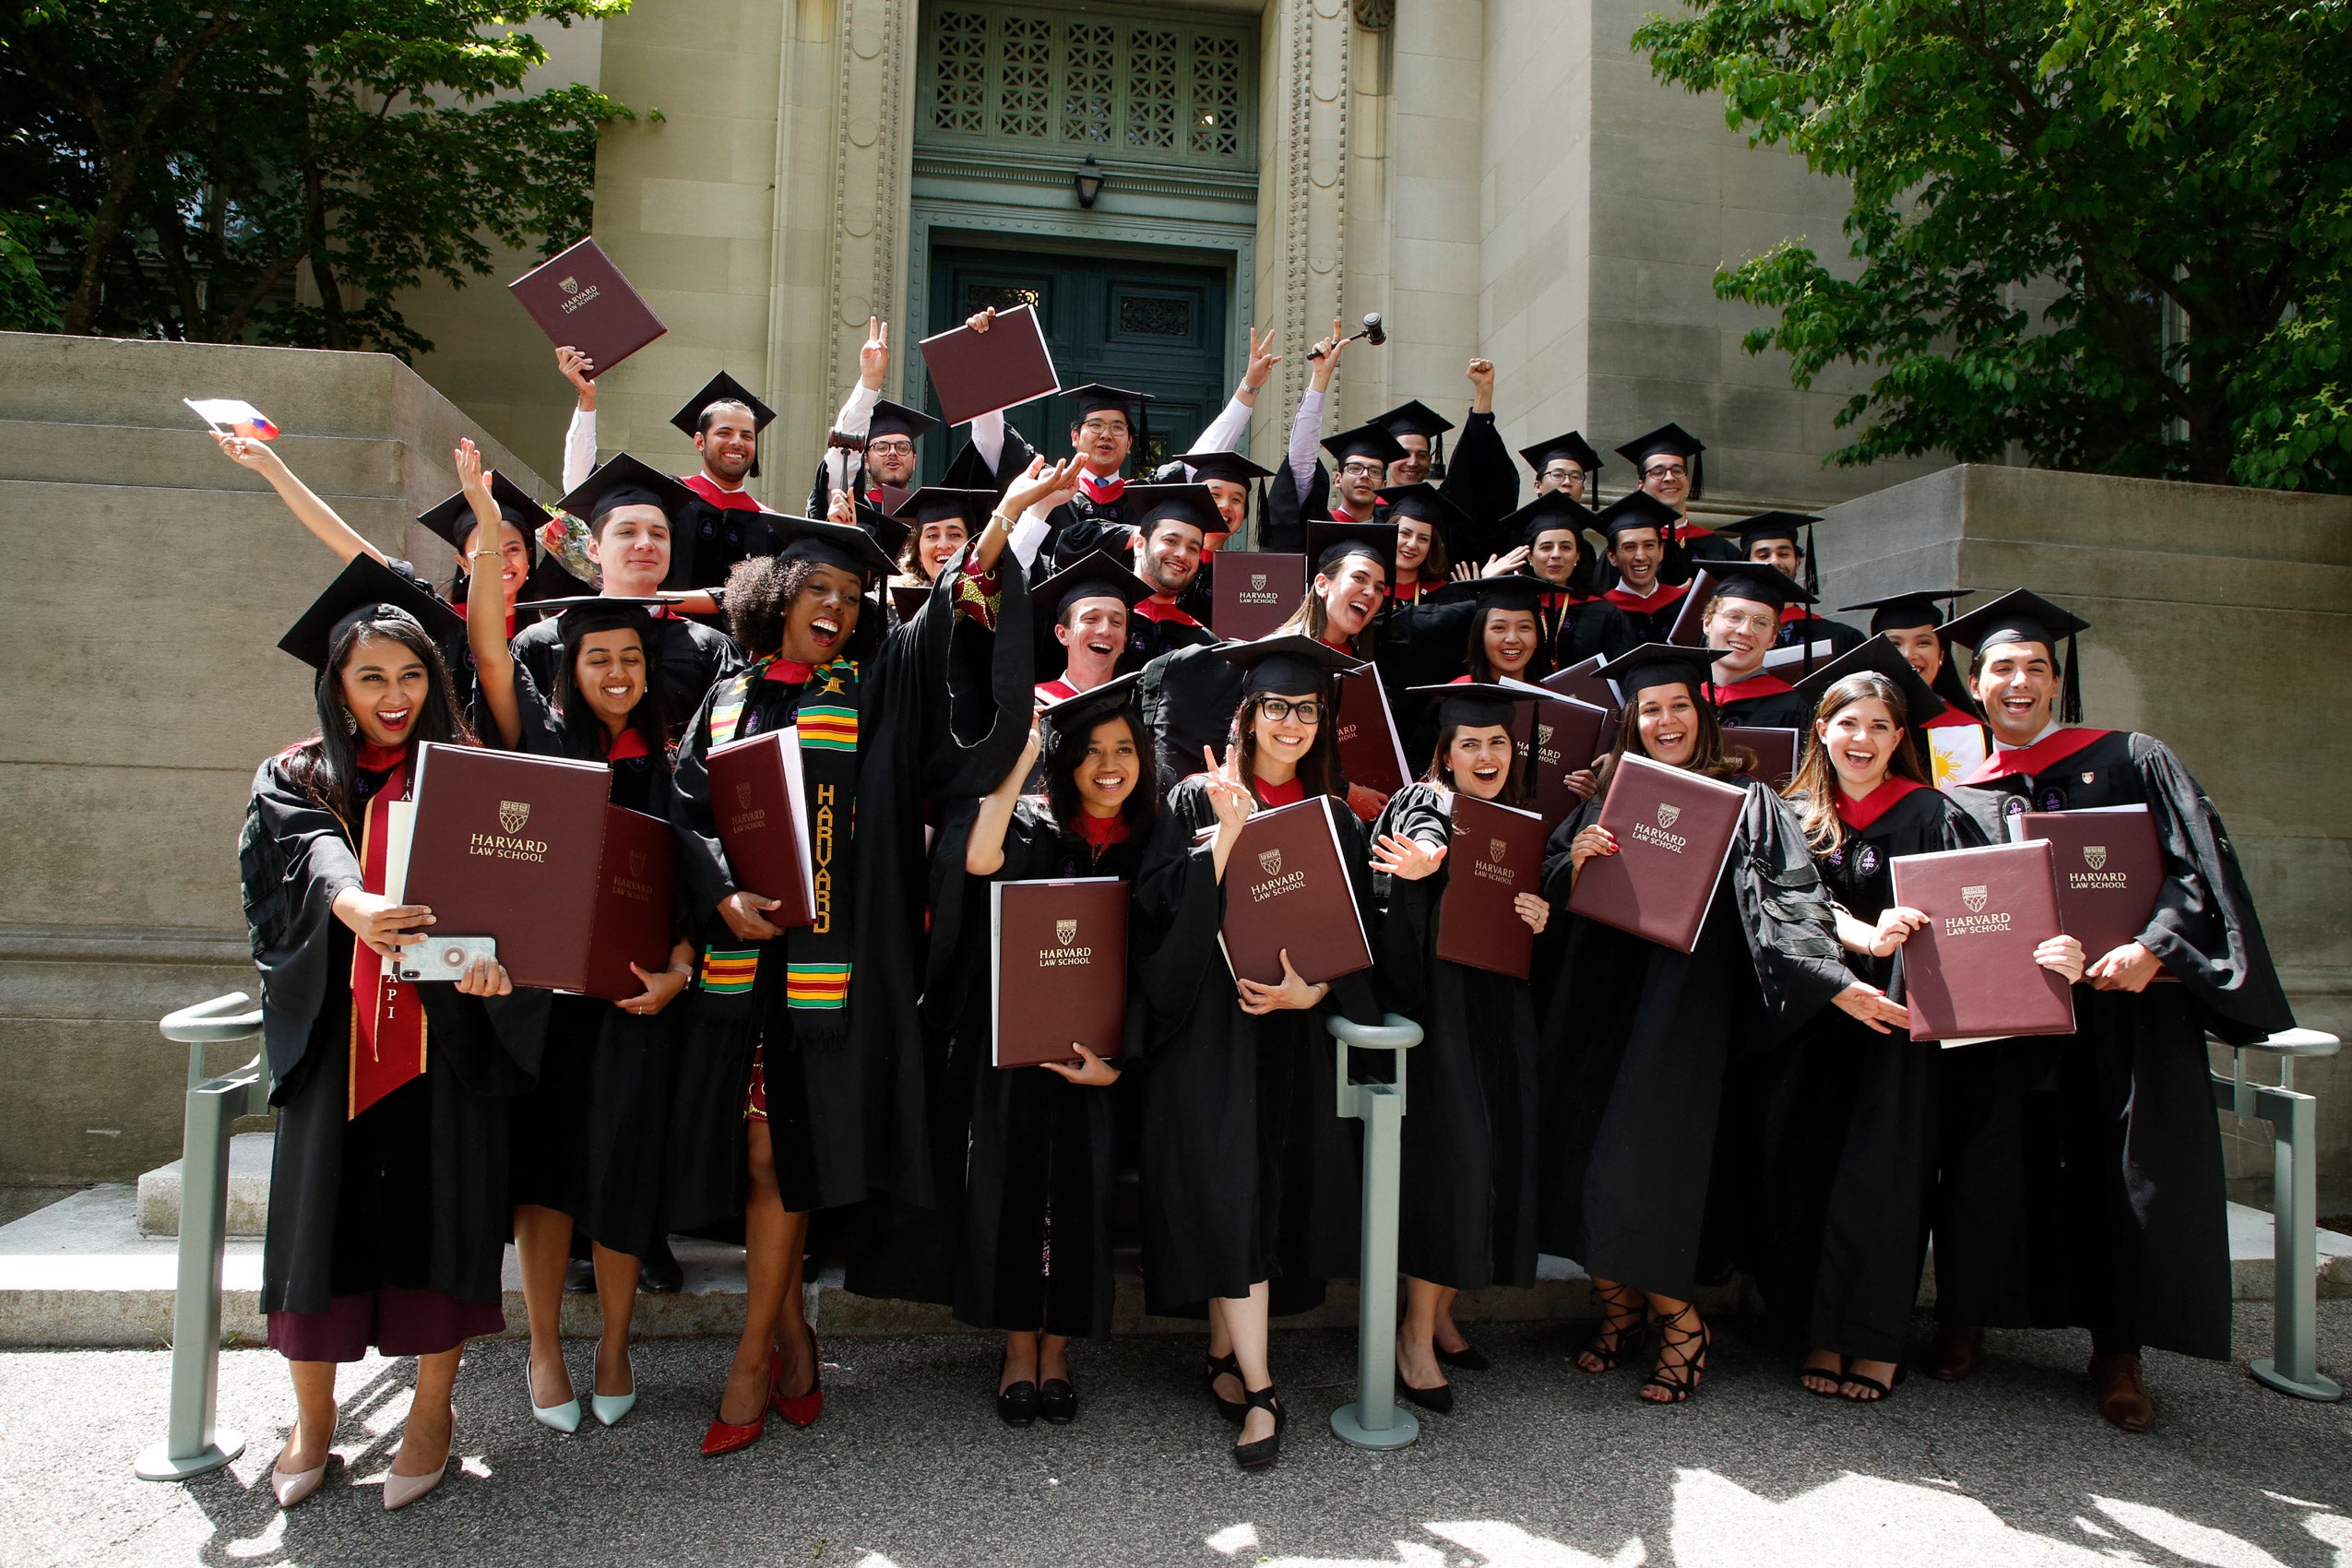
1786 914
703 871
2204 930
293 857
1482 479
1284 527
1179 906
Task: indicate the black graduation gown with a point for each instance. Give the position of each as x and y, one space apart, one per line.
411 1192
1640 1042
689 658
1149 638
1249 1173
1686 554
1847 1120
1841 638
590 1138
1481 478
1575 632
713 540
2082 1181
1467 1217
1778 711
1648 625
945 705
1034 1159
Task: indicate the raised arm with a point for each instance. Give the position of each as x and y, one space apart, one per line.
1306 429
1231 428
315 515
984 848
579 437
486 603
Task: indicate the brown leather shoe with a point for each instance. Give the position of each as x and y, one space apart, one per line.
1955 1352
2123 1395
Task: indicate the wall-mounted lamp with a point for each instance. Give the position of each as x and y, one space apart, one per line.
1088 181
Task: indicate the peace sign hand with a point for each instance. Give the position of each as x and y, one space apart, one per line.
874 360
1263 358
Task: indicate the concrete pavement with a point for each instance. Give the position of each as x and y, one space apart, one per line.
1540 1466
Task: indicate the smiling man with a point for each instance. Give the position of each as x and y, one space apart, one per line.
1088 606
1170 528
2104 1209
1666 465
1742 617
630 508
1780 539
1636 530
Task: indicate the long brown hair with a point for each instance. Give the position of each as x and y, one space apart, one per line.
1814 789
1311 619
1711 758
1514 778
1319 769
323 766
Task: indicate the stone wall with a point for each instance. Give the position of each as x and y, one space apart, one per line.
2213 612
152 579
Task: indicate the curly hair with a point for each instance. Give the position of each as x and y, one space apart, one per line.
759 597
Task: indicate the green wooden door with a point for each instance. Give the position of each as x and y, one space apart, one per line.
1146 325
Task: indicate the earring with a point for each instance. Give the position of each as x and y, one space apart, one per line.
351 722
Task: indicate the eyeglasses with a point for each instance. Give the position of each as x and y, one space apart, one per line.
1306 711
1741 619
1667 471
1358 471
1105 427
891 449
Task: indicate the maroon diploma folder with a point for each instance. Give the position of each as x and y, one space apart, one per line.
1775 750
1584 682
985 373
2109 869
1060 969
1690 622
531 851
1496 854
1256 590
1286 887
580 299
1673 830
1369 751
1969 973
762 810
1568 734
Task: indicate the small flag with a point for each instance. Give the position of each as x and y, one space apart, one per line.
233 415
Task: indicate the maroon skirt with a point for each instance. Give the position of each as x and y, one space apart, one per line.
397 1320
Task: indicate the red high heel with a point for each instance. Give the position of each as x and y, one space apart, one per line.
725 1437
801 1410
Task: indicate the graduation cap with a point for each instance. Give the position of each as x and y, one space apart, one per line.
453 519
1231 468
1513 590
623 480
1669 437
1144 504
1790 526
971 471
944 503
1910 610
1088 708
367 588
1551 512
1639 509
1328 542
1570 444
1875 653
1425 503
2021 615
1417 418
1659 664
886 530
1095 397
1759 582
835 544
1364 441
1287 663
897 419
723 388
1096 575
1478 705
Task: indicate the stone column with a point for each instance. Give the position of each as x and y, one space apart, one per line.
1302 183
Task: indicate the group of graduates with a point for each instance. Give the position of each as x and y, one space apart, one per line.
1010 676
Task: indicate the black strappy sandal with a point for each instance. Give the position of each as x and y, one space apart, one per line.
1679 1376
1624 1318
1259 1455
1880 1391
1234 1410
1836 1376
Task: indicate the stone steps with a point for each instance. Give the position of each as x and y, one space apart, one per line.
183 456
80 1273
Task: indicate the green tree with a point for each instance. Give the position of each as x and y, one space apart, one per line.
2115 232
196 162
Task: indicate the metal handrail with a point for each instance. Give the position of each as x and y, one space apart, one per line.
2293 1366
191 1444
1373 1421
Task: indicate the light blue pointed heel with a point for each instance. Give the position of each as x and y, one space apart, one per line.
611 1407
563 1418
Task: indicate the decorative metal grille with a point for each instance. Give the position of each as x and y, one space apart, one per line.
1003 296
1163 90
1150 318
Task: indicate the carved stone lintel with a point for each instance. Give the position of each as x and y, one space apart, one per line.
1377 15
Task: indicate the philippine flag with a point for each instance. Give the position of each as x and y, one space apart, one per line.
234 416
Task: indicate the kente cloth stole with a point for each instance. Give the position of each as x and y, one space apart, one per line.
387 1017
816 956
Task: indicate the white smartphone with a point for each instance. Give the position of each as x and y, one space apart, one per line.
446 958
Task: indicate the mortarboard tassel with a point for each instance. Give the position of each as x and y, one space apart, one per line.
1437 457
2070 700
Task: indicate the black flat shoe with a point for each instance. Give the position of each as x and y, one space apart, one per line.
1057 1401
1439 1398
579 1278
1259 1455
1469 1357
1019 1404
1234 1410
661 1273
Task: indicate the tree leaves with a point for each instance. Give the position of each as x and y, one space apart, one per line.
2112 233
